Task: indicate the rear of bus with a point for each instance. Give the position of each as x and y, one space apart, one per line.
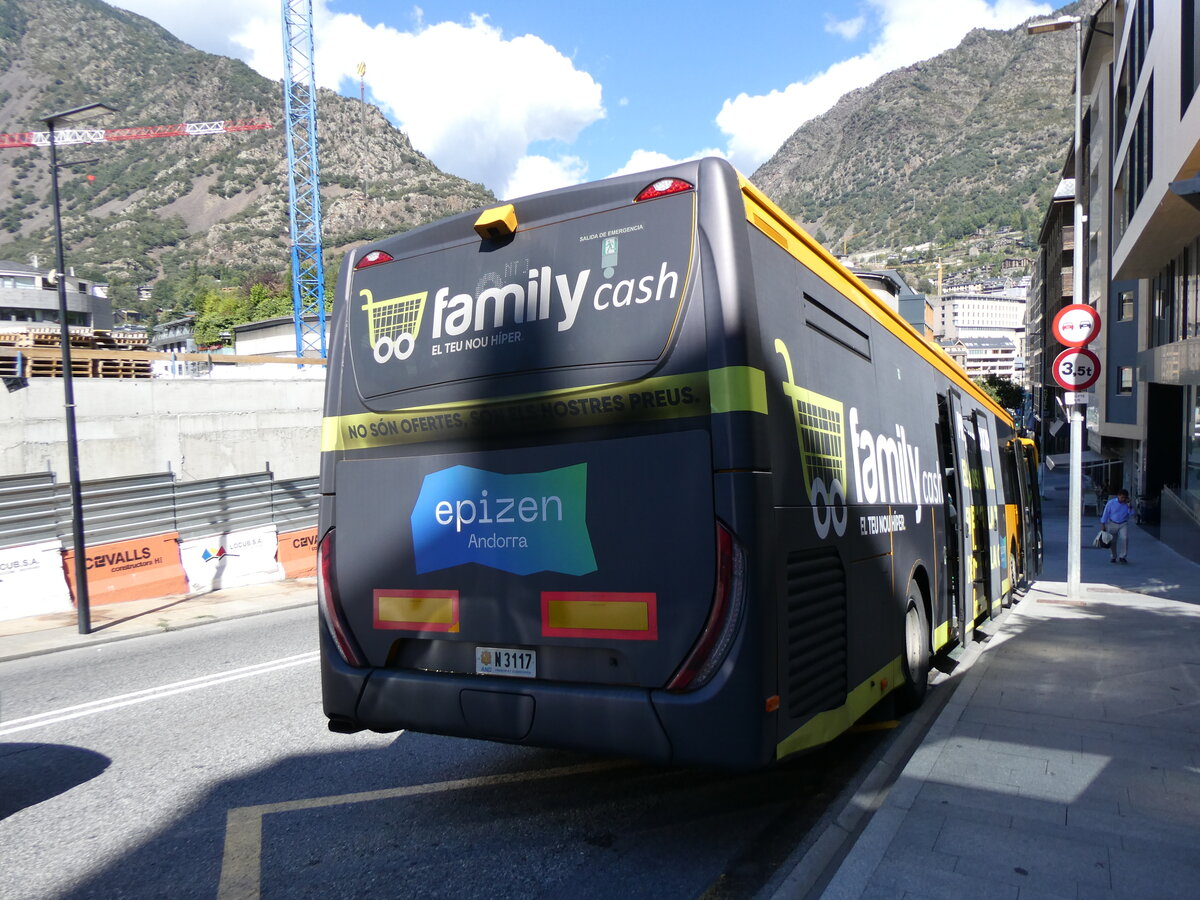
538 485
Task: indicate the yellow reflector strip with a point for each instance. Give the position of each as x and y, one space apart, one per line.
417 610
600 615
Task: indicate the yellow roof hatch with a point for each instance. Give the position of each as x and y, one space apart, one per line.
495 224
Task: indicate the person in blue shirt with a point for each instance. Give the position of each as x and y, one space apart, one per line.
1115 520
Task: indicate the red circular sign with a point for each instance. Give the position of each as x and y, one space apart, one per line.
1076 325
1076 369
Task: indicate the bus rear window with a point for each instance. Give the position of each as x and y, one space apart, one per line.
601 288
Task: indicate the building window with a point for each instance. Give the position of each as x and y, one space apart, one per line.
1124 381
1189 54
1191 473
1125 306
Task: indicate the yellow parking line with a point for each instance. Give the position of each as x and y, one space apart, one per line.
241 863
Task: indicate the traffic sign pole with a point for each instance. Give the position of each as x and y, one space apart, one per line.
1075 369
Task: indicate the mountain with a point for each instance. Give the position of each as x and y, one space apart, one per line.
213 204
933 152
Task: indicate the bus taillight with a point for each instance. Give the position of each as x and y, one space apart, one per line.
662 187
728 597
330 604
374 258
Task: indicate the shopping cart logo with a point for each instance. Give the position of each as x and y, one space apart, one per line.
820 434
393 324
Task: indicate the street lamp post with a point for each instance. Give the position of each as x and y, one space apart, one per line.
82 603
1075 418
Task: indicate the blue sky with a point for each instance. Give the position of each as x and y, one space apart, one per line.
528 95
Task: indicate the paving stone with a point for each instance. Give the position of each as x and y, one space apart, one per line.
901 876
978 802
1005 852
1068 742
1149 751
1148 875
918 833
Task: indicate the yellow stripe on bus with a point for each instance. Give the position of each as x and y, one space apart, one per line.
732 389
825 726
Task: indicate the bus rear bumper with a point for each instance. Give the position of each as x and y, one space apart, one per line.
616 721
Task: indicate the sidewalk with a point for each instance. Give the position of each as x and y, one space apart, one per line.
1066 762
116 621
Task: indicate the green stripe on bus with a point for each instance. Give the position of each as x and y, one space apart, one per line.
738 389
825 726
732 389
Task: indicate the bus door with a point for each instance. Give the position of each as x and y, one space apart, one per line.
1031 509
956 491
975 543
994 558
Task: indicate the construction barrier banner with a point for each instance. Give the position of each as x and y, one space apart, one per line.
231 559
31 580
137 569
298 552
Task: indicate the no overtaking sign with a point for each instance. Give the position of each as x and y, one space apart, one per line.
1076 326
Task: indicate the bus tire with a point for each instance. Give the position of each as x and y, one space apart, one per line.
914 661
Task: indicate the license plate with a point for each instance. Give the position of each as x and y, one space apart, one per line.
504 661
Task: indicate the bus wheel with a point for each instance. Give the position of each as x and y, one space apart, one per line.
915 661
1011 597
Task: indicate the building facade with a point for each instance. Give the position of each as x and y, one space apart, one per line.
914 307
28 297
1139 178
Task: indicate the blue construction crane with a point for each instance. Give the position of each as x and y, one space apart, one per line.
304 182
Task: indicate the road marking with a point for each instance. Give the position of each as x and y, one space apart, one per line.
155 693
241 863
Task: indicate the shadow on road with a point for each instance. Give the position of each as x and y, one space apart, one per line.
32 773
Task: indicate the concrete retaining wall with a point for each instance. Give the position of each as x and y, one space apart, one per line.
196 428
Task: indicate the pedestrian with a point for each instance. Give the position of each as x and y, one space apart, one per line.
1115 520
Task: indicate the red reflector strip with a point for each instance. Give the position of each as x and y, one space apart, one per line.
623 617
417 610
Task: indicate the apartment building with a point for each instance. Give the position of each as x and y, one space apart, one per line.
28 297
1139 177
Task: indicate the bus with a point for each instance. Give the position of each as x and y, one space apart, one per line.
637 468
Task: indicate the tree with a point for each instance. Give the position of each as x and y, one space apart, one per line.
1002 390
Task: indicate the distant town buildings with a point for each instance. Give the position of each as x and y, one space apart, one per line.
890 286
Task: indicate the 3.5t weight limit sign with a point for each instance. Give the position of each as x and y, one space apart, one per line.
1076 369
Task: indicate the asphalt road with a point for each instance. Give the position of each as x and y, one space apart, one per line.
197 764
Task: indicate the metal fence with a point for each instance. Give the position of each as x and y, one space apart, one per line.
38 508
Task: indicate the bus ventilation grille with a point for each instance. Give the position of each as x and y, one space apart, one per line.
816 623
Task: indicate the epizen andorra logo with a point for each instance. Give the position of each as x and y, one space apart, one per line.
523 523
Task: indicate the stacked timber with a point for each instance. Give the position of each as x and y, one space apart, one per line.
35 352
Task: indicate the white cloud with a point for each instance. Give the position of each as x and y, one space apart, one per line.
211 27
470 98
908 31
848 29
644 160
534 174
